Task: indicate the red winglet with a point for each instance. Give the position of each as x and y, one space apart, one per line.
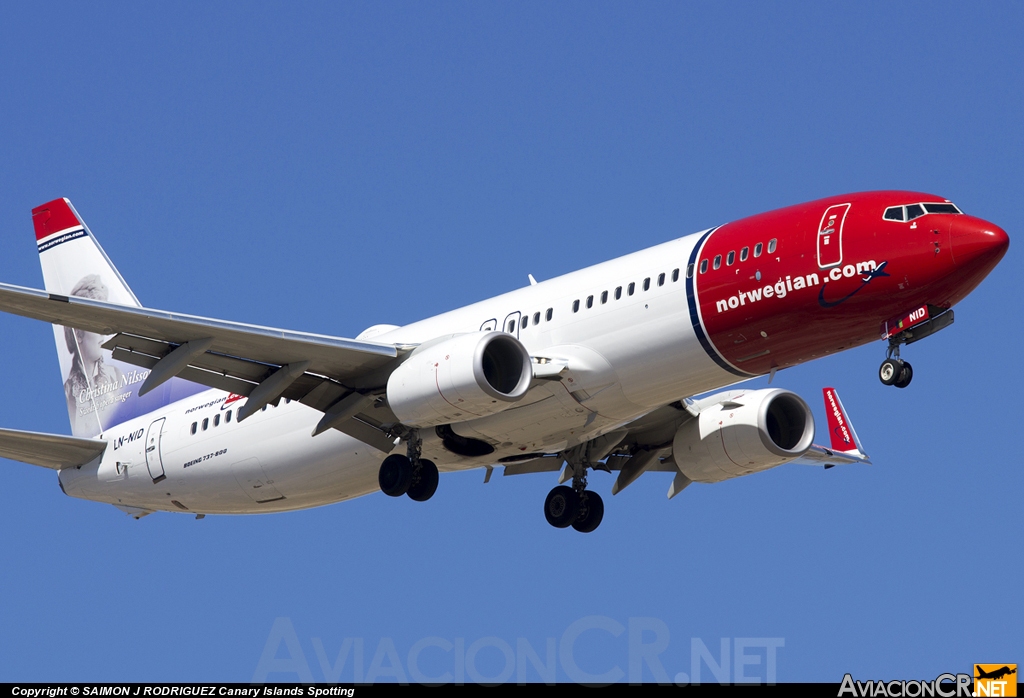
53 216
840 429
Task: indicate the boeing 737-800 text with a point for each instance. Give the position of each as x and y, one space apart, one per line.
594 369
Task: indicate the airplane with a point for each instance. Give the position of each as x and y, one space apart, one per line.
602 368
995 674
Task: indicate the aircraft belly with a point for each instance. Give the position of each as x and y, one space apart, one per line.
539 426
236 473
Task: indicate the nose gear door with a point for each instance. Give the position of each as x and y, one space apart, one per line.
154 461
830 236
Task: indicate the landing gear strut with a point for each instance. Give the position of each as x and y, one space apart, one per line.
894 370
574 506
410 474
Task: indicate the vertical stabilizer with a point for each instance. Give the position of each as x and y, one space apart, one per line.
100 391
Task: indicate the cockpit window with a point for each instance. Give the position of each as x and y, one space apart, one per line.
912 211
941 208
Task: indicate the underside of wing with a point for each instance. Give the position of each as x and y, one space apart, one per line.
264 364
49 450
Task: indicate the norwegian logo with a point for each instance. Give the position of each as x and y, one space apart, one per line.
840 428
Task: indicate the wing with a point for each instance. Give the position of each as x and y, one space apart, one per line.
49 450
334 375
646 445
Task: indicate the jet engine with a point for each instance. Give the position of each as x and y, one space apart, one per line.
460 378
738 433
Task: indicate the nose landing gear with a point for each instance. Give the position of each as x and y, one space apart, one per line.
895 371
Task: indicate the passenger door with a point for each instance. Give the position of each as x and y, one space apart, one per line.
830 236
154 459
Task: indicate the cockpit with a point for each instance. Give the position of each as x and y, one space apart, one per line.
912 211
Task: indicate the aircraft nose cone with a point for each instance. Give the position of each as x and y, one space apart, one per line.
973 240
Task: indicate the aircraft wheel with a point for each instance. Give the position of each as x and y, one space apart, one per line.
561 506
424 483
906 375
591 513
395 475
890 370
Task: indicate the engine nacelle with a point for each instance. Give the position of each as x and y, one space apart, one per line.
461 378
738 433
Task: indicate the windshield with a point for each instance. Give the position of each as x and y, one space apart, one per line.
912 211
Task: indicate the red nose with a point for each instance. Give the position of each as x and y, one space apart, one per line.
977 242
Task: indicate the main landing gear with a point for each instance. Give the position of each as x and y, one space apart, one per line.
411 475
894 370
574 506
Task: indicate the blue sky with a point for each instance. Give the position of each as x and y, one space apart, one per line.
329 166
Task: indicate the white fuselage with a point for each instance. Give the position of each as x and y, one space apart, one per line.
627 356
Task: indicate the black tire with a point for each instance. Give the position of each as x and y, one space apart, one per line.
906 375
561 506
424 483
591 513
395 475
890 370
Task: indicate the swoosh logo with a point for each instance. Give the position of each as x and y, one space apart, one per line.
873 274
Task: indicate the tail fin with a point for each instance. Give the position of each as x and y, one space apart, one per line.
840 428
100 391
73 262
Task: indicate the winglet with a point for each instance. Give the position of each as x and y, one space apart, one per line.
840 429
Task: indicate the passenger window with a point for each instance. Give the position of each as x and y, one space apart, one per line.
718 261
604 297
647 283
526 322
661 279
193 430
630 288
893 213
744 253
590 301
575 306
914 211
511 326
227 417
536 318
689 271
618 292
757 250
772 245
206 424
675 275
703 265
216 420
551 311
730 258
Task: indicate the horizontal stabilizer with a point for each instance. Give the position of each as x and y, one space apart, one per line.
49 450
